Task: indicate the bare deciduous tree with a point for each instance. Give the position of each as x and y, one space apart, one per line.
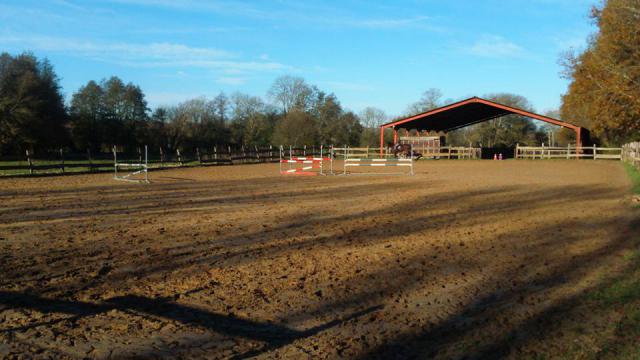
430 100
290 92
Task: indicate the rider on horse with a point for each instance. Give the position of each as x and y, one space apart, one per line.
405 151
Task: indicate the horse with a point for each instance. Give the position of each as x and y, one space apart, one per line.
405 151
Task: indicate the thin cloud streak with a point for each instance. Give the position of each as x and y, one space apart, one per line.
298 15
146 55
495 47
152 50
231 81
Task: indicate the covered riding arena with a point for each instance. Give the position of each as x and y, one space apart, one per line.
466 113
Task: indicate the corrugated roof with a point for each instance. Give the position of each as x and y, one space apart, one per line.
467 112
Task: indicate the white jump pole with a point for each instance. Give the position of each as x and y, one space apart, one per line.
331 159
146 164
281 150
346 157
411 159
321 161
115 162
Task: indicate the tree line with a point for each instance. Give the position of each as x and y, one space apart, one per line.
604 94
100 114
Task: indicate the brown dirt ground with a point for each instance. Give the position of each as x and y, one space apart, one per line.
233 262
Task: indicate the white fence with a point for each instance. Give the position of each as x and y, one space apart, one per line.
442 152
360 152
452 152
631 154
569 152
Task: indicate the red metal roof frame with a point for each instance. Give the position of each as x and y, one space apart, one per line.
508 109
491 110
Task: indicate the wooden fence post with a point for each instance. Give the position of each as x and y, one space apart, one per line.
179 157
198 155
62 160
89 159
215 153
115 160
595 154
29 162
161 158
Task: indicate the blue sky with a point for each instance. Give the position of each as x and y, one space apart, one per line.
369 53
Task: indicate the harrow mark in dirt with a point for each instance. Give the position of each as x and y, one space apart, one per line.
464 258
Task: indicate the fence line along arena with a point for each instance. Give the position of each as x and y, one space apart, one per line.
430 131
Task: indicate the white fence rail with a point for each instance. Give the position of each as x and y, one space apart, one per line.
442 152
360 152
453 152
569 152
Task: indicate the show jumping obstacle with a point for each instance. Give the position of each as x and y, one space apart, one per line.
380 162
142 168
303 165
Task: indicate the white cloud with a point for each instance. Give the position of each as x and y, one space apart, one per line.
382 23
298 12
164 51
495 46
145 55
12 12
227 80
225 7
346 86
186 30
227 66
168 98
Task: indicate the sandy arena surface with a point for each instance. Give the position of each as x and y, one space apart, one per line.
235 262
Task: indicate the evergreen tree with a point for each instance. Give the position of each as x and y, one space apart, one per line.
32 112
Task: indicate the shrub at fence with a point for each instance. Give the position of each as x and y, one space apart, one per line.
631 154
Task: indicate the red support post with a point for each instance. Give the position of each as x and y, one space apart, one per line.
578 142
381 141
395 136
